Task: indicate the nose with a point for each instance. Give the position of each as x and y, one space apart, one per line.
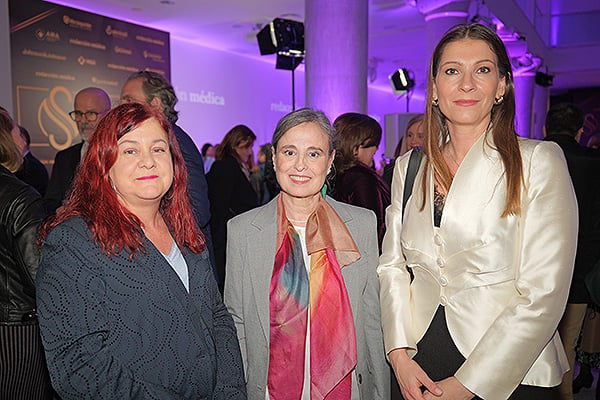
300 164
466 82
147 159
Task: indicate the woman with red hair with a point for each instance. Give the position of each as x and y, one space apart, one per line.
128 305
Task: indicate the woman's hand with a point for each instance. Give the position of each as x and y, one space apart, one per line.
452 389
411 377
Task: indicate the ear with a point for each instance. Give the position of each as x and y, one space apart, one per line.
273 157
501 87
156 103
434 93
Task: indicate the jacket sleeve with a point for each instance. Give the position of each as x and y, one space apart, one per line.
546 253
74 325
372 327
28 215
394 278
233 287
197 186
230 371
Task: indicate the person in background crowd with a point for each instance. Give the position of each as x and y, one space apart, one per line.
128 304
413 137
301 283
32 171
229 188
564 125
489 235
265 161
153 89
208 155
356 182
89 106
23 372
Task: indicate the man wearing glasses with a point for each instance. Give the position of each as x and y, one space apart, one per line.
90 105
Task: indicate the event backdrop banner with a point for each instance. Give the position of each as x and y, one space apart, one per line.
57 51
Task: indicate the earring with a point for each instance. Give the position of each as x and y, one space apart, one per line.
435 102
498 100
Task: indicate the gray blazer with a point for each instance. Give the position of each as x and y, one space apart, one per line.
251 242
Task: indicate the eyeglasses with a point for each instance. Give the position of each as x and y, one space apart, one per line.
90 116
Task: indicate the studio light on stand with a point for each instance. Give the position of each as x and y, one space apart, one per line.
285 38
402 83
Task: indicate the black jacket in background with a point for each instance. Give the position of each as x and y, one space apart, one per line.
584 168
21 212
33 173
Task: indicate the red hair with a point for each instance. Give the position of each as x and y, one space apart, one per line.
92 197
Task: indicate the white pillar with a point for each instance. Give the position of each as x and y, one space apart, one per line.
336 43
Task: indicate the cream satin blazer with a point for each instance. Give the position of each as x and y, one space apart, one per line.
503 281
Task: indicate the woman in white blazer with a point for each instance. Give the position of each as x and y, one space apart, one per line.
489 235
301 280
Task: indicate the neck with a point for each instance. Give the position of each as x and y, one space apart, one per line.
297 210
462 139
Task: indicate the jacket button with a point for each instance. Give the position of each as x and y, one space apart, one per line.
359 379
438 240
443 300
443 281
440 262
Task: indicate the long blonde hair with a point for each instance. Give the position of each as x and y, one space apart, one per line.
503 119
10 156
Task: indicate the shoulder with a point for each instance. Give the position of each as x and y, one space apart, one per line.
183 139
73 231
17 196
68 153
258 217
349 212
539 149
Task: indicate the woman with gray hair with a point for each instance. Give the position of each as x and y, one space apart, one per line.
301 283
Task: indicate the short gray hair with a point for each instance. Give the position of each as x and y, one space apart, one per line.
302 116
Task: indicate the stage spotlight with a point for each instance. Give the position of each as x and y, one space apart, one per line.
401 81
543 79
281 35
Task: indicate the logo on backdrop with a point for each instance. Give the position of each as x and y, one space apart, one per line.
54 121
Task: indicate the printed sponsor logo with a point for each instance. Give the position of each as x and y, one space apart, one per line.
73 23
122 50
110 31
44 54
85 61
147 39
85 43
120 67
106 82
153 56
49 36
53 75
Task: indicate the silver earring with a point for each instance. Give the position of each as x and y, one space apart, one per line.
435 102
498 100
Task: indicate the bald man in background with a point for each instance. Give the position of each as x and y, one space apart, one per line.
89 106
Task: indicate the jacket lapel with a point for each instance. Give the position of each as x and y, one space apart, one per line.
263 236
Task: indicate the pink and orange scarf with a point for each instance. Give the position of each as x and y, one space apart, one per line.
332 333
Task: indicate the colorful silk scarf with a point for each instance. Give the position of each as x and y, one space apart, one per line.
332 333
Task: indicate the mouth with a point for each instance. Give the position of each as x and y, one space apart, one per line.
466 103
147 177
299 179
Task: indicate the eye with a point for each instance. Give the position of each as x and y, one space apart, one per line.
159 149
129 151
314 154
288 152
451 71
484 70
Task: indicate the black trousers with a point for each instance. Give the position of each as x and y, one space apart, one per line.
439 358
23 371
